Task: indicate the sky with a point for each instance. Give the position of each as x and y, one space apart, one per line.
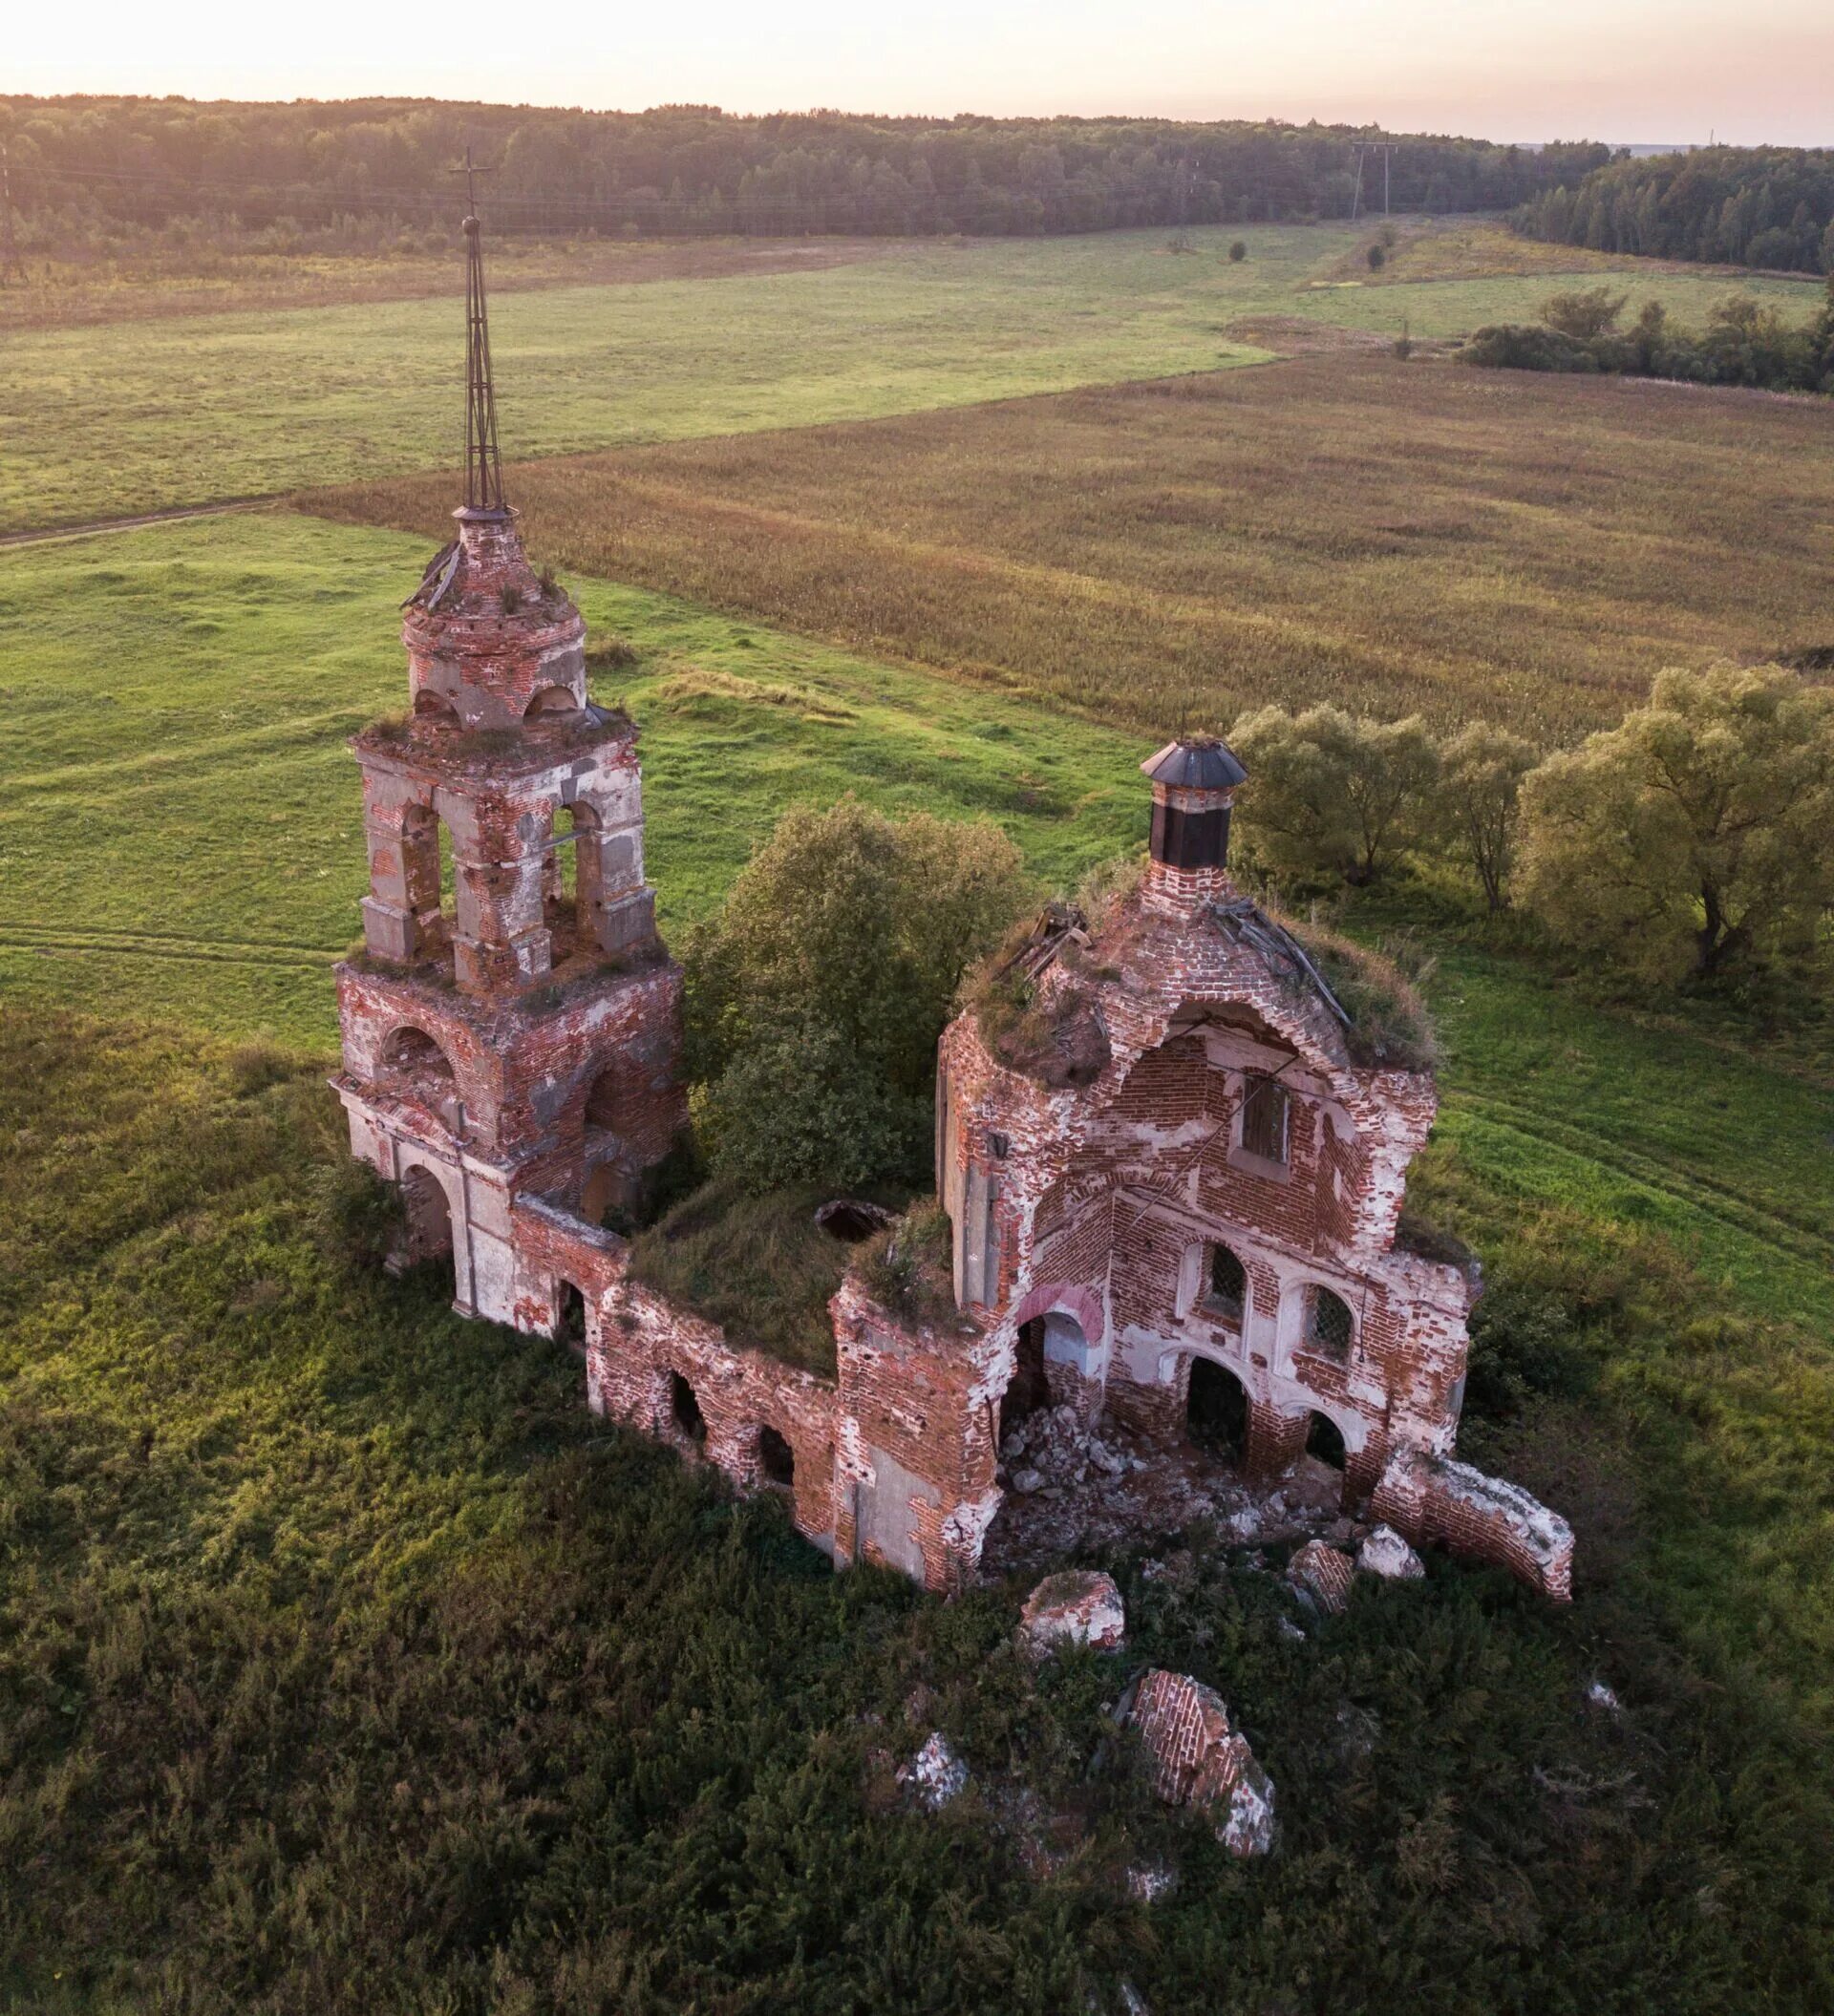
1640 71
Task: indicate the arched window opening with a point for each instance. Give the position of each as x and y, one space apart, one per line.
435 708
685 1409
1329 1325
1216 1410
1227 1293
1325 1440
429 880
1028 1390
606 1190
775 1459
569 1317
1266 1106
413 1064
429 1216
562 872
548 701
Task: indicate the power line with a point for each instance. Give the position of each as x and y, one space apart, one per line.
11 267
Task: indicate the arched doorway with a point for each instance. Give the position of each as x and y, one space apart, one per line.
569 1316
1028 1390
428 1216
1325 1440
1216 1410
775 1459
684 1409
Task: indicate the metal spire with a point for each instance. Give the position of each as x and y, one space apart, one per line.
484 469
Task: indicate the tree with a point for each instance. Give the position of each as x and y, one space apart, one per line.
1586 315
816 994
1330 793
1377 259
1748 342
1480 773
1697 831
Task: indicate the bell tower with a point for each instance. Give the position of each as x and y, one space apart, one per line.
510 1026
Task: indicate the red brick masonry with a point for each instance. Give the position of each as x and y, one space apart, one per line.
510 1059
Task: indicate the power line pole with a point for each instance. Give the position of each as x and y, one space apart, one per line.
11 267
1356 194
1181 204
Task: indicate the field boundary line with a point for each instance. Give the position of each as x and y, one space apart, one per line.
97 527
135 771
26 937
1729 1208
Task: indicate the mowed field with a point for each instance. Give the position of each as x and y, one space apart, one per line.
141 414
1345 526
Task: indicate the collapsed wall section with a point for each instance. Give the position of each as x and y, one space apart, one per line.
1434 1498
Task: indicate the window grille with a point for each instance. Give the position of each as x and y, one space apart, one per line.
1329 1323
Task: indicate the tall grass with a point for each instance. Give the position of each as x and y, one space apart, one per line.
347 1663
1389 535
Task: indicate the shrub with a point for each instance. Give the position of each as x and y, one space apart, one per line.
361 1220
1585 314
1525 1343
1700 830
1378 258
1239 251
1516 346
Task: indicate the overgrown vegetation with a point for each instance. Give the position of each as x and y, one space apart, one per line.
817 992
348 1663
907 1269
1390 1029
1745 342
759 1266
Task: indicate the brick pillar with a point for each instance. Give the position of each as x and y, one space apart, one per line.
1276 1440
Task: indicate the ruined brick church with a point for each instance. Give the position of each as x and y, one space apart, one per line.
1194 1216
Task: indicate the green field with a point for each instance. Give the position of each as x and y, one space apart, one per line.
112 420
348 1663
179 837
344 1645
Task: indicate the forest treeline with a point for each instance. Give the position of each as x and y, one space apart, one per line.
84 165
1756 206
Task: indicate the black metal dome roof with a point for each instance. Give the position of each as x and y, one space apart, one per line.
1205 764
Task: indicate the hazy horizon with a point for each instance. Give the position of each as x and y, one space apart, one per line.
1652 75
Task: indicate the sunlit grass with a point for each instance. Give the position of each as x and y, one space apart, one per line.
115 419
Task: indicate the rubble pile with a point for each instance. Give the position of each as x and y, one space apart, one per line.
1067 1487
935 1775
